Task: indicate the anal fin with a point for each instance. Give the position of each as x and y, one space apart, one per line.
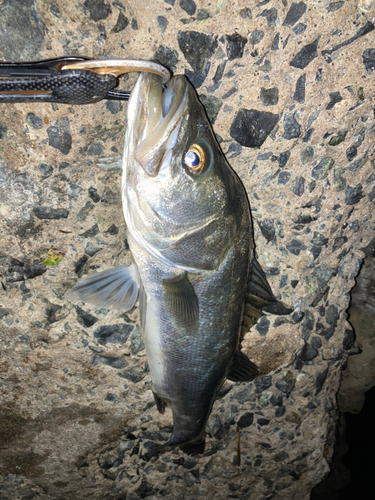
242 369
160 404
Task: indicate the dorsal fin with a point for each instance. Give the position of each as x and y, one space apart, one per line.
259 298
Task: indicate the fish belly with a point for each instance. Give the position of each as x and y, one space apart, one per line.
188 367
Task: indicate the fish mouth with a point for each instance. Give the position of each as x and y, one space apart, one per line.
157 122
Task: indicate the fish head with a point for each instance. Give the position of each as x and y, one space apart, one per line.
182 201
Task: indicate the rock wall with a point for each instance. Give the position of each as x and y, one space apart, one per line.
289 89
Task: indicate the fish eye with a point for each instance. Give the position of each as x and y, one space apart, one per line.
195 159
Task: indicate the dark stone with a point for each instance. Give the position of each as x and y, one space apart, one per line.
349 338
275 42
267 228
117 363
295 12
51 311
335 98
95 149
292 129
283 281
134 24
74 191
256 37
79 267
284 177
84 212
353 195
316 251
283 159
357 164
339 242
316 342
84 318
219 71
203 14
351 153
3 313
319 381
63 165
59 136
308 353
45 169
113 334
300 28
263 421
197 48
270 15
99 9
308 134
90 233
277 400
167 57
307 154
170 2
20 271
298 186
286 384
279 412
368 57
114 107
234 150
50 213
235 45
295 247
299 94
269 97
263 383
3 130
133 375
338 139
162 23
121 24
263 326
333 6
136 341
230 92
318 239
211 105
188 6
245 13
93 193
323 168
54 9
34 121
246 420
21 30
367 28
307 54
197 79
251 128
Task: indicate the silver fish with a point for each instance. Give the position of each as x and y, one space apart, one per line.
190 234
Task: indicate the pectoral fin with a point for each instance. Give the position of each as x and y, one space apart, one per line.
242 369
117 287
182 302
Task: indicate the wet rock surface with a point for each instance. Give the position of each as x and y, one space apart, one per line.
77 412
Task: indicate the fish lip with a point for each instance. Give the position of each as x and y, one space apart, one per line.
156 127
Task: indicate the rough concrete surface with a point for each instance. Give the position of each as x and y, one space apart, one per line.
290 90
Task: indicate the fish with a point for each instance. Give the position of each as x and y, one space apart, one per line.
194 272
